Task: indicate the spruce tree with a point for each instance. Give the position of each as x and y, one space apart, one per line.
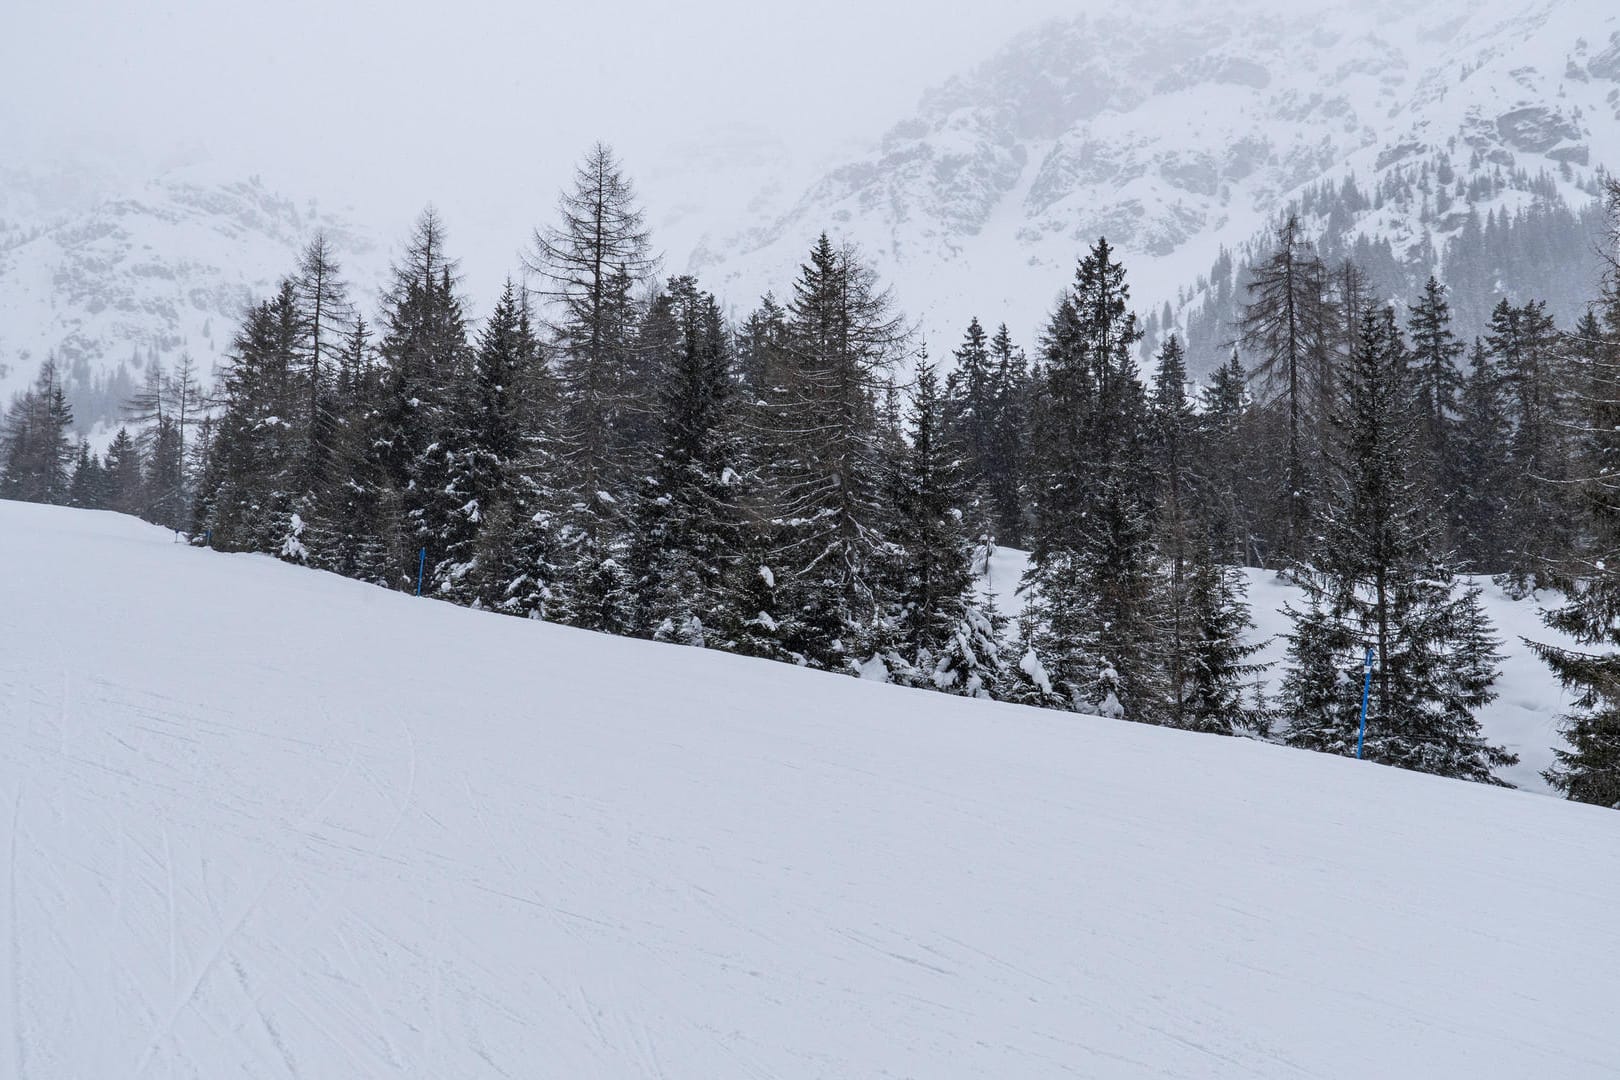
360 528
425 355
1209 686
1228 485
1587 767
1439 383
1481 468
760 345
482 438
1171 424
36 454
1096 579
830 552
947 636
123 474
688 540
165 500
970 417
249 494
1005 461
88 487
1526 347
1379 578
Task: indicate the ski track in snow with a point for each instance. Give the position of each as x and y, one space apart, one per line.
278 824
13 940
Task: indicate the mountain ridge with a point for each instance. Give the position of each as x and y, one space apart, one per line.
1181 134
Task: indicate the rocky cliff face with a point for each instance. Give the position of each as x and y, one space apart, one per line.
105 281
1179 129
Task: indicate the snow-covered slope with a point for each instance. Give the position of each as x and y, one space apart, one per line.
1526 716
1177 127
260 821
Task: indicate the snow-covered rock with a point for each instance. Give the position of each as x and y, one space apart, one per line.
1177 128
111 277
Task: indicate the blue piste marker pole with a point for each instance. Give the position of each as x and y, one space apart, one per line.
421 565
1366 690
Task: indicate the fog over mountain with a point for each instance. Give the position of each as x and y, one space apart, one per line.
167 171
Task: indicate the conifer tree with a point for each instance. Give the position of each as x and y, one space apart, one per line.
1096 579
1005 461
761 343
425 354
689 533
1229 492
88 487
1435 351
164 483
249 495
830 551
482 438
1480 468
1378 578
325 320
123 474
1208 686
1525 345
1587 768
948 637
970 415
1171 423
1286 324
360 529
36 453
589 263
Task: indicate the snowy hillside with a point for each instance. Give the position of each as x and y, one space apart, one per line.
261 821
102 279
1525 717
1179 128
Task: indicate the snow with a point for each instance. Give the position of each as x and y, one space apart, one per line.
1003 578
262 821
1180 129
1525 717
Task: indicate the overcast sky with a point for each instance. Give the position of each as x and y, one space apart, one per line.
377 107
436 97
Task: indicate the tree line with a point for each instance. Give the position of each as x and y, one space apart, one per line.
606 450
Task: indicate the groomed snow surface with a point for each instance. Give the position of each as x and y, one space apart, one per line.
260 821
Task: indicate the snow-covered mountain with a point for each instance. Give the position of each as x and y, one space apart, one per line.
101 276
1178 128
262 821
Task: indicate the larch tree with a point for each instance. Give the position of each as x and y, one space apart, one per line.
588 263
1286 326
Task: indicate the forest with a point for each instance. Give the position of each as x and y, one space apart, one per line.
807 484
